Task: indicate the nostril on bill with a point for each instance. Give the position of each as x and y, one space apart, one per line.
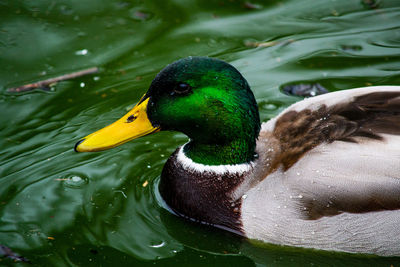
131 118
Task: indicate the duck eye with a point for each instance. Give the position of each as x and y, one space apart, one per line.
182 88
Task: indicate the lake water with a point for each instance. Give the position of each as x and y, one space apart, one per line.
60 208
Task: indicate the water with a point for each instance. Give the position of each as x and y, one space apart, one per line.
60 208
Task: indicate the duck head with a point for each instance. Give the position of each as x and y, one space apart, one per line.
206 99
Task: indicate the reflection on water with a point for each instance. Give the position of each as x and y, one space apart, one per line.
62 208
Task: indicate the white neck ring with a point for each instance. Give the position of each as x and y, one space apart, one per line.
189 164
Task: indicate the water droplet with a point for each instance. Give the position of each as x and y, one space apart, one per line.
82 84
300 196
269 106
158 245
74 181
298 174
81 52
96 78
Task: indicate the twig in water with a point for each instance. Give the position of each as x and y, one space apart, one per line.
46 83
8 253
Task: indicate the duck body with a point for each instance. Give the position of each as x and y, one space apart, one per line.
340 192
323 174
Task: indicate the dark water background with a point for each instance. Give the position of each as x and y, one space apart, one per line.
60 208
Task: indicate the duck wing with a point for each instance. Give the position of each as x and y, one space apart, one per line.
340 152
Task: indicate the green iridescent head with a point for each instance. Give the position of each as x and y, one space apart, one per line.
206 99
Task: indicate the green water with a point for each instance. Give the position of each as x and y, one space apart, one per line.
60 208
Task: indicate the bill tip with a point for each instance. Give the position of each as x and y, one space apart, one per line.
77 144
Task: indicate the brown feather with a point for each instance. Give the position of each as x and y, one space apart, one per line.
367 116
362 120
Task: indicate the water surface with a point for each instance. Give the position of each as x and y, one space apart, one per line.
60 208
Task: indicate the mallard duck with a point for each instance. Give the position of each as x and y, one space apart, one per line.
323 174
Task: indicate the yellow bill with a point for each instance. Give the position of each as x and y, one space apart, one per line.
133 125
